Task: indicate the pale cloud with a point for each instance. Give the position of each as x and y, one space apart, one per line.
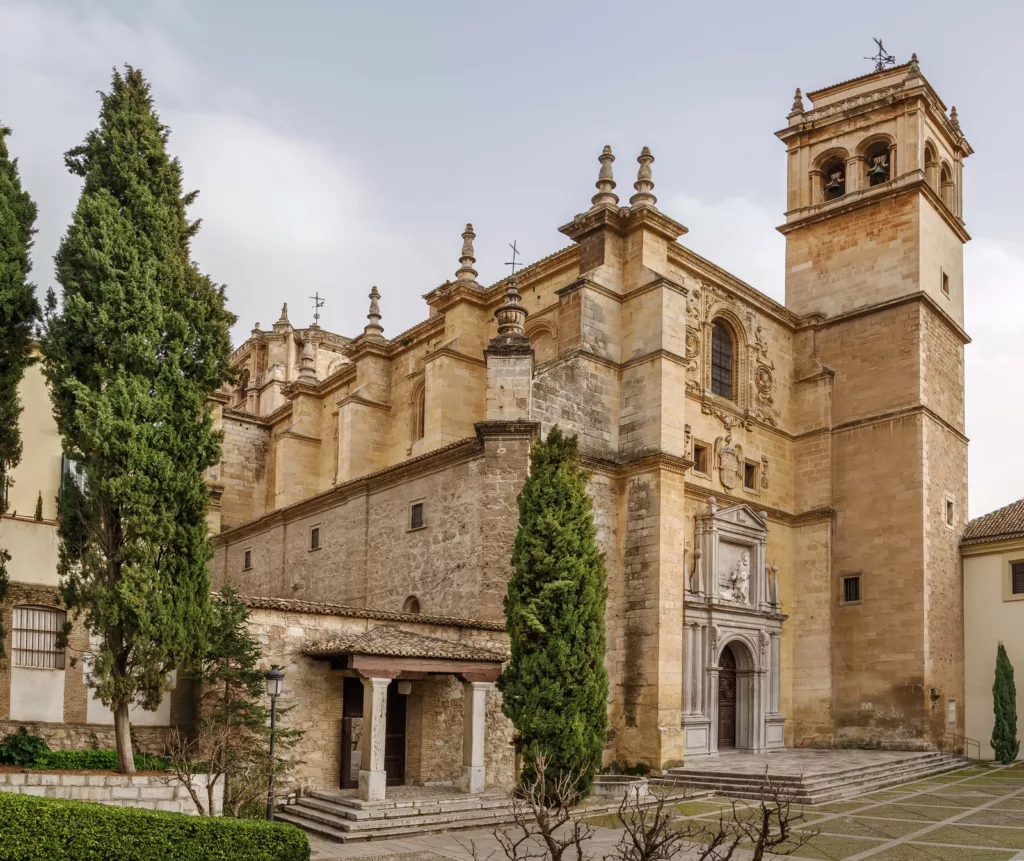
283 215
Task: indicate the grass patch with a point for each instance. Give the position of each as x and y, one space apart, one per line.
696 808
826 848
995 817
1010 804
842 806
951 801
910 852
978 835
883 829
919 814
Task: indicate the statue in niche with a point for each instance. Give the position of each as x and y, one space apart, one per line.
738 585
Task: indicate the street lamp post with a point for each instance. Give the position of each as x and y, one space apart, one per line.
275 684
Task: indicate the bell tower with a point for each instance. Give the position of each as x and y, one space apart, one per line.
874 268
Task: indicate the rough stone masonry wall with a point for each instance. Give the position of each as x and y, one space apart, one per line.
243 470
150 792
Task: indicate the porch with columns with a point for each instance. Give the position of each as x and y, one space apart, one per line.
386 655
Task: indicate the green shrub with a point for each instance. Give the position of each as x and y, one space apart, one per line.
54 829
21 748
98 759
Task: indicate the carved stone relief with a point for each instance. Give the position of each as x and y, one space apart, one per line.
729 460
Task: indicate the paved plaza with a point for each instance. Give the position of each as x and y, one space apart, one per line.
973 814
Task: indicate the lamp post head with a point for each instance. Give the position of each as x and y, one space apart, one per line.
275 681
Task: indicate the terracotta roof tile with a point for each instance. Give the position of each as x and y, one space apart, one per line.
1002 523
388 642
295 605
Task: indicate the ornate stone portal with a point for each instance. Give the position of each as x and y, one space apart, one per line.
731 625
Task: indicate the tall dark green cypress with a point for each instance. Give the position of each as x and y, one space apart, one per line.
555 686
138 345
1004 703
19 310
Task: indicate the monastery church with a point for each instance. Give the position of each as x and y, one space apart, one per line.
780 490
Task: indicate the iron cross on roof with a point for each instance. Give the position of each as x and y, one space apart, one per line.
515 253
882 60
318 303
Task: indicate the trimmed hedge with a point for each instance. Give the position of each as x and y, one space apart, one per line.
98 759
54 829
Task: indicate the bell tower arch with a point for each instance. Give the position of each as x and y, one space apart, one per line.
874 267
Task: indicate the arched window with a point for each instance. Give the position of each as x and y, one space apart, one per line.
946 180
876 159
931 166
721 360
833 179
34 637
411 605
243 385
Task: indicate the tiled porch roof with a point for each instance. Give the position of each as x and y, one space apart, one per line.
385 641
1005 522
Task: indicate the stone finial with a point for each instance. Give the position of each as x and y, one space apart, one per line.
256 330
374 329
284 314
915 67
954 120
466 272
511 316
644 185
307 368
798 102
605 181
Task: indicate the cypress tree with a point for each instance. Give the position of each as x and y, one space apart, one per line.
555 686
19 310
139 344
1004 703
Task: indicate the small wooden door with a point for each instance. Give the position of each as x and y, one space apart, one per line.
727 700
394 737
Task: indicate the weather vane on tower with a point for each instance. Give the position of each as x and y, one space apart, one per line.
318 303
882 60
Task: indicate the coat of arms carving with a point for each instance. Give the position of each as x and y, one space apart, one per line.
729 459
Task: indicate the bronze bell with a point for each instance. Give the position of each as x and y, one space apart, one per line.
835 186
879 171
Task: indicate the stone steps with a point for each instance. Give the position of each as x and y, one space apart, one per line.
820 788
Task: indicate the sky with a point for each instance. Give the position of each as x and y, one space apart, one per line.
340 145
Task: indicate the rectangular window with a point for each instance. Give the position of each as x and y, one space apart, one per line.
34 638
950 512
945 283
951 711
247 560
416 516
700 459
851 589
1017 578
750 476
314 537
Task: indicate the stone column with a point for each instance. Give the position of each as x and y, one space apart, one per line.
372 777
474 722
712 708
688 674
698 666
775 658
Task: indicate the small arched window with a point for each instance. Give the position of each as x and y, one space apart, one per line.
946 179
833 179
721 360
878 168
243 385
931 166
411 605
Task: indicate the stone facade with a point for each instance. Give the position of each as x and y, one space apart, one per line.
833 427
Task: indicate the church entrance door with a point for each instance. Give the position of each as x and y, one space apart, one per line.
394 737
727 700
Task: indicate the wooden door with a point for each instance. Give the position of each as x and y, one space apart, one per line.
394 737
727 700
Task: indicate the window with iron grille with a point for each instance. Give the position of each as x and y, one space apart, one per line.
34 638
1017 573
851 589
247 560
416 516
314 538
721 360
